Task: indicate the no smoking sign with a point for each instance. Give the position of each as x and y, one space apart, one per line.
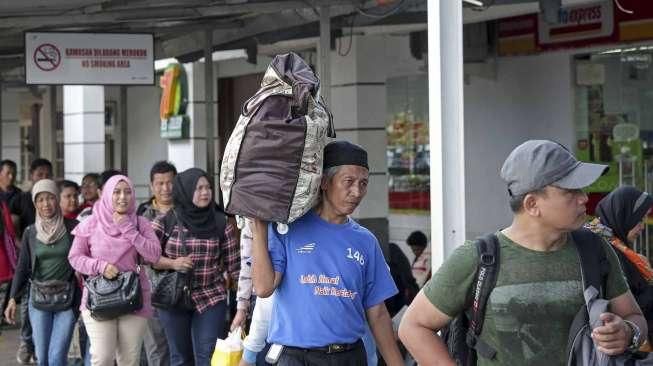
47 57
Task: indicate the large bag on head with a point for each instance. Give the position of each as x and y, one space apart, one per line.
272 164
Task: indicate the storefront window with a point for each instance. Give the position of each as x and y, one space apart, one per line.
408 145
614 119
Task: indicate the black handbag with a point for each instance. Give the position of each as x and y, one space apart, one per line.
173 291
109 299
49 295
52 295
173 288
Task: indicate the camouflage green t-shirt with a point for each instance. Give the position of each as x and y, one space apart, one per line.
533 304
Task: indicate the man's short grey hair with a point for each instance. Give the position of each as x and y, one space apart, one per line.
329 173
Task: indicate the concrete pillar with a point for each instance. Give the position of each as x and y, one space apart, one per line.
446 128
10 100
83 130
209 110
358 104
47 128
192 152
324 52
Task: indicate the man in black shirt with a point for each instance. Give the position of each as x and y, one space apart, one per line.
21 206
8 189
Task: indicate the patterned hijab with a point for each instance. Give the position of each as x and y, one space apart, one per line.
48 230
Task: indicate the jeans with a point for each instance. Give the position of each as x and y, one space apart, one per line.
52 333
25 326
155 343
191 335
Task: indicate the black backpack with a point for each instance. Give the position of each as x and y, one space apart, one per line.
462 335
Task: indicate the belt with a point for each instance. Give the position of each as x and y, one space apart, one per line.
331 348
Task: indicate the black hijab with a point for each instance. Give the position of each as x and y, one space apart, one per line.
201 222
622 209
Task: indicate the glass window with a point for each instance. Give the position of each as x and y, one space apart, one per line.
408 145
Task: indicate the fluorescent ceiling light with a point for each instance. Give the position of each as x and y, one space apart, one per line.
227 55
474 2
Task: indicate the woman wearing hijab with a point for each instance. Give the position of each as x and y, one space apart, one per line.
210 244
619 222
48 241
110 241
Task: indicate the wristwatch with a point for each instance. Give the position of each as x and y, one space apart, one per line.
636 340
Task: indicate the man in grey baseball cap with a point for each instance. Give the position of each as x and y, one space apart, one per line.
539 285
536 164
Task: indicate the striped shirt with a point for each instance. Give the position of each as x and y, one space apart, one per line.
210 259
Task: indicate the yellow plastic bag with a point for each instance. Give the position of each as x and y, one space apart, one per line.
228 352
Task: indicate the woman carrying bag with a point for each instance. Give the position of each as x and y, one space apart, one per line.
53 290
112 242
619 222
196 240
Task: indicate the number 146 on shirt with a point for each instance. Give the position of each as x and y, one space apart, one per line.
355 255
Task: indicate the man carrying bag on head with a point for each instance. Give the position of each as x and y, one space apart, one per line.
329 274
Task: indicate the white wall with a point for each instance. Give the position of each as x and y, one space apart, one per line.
145 145
531 98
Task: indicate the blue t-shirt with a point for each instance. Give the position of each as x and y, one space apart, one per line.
332 273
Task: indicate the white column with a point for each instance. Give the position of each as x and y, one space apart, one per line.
83 130
10 126
358 104
446 128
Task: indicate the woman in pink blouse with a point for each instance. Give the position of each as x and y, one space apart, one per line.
107 243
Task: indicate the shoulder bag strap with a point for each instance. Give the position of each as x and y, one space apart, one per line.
184 248
486 279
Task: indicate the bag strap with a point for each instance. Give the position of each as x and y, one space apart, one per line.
31 243
486 279
182 234
594 269
594 265
184 248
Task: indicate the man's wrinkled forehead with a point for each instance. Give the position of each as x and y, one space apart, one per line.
354 171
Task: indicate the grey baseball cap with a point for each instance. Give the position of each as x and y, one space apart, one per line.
536 164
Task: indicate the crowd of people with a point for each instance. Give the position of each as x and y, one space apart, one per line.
322 292
63 233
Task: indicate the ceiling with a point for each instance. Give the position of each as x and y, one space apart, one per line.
179 26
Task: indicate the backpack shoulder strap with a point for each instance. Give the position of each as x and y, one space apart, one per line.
594 263
486 279
594 267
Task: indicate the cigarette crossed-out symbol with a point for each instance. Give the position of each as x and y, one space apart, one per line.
47 57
